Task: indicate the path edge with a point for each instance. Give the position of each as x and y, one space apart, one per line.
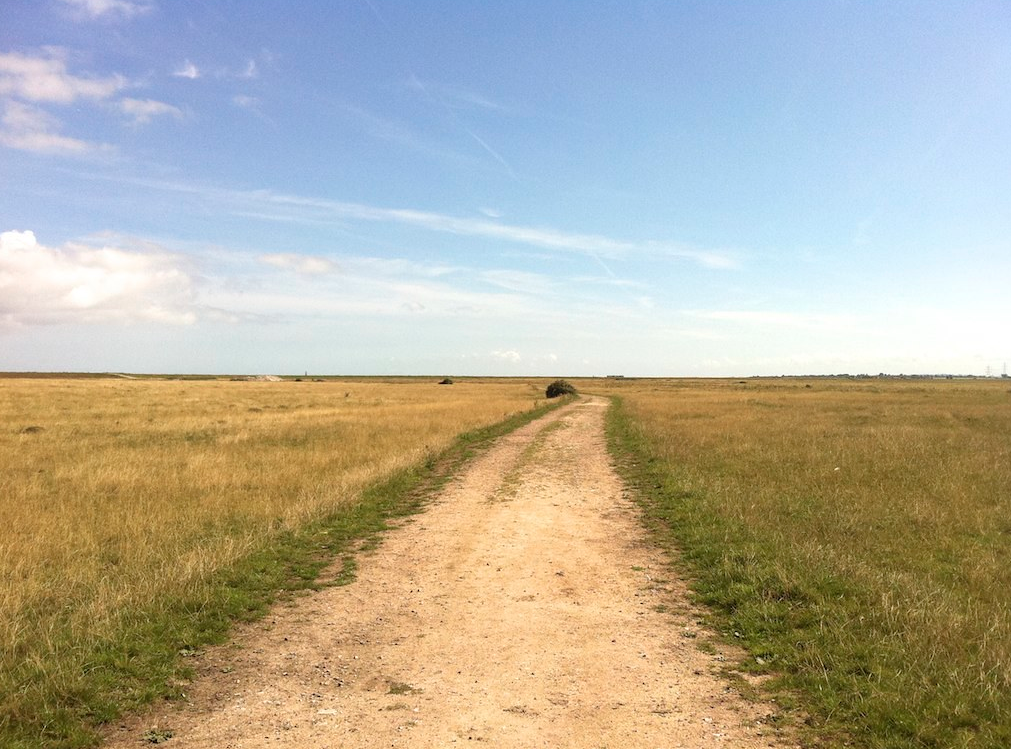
320 554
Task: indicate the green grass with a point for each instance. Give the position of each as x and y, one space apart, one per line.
855 538
145 657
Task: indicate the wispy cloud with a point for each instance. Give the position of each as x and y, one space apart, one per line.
400 267
359 289
187 70
772 318
296 208
402 134
519 281
491 151
247 70
28 128
124 9
309 265
253 105
45 79
143 111
433 95
546 238
620 283
246 102
458 97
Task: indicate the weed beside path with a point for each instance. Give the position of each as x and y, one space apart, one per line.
853 537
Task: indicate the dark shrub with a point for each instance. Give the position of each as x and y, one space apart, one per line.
446 381
560 387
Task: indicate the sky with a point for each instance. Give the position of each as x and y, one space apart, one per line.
488 188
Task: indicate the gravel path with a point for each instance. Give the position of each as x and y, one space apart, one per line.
522 608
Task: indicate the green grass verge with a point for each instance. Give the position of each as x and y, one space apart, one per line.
146 659
838 652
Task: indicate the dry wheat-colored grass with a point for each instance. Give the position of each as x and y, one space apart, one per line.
858 534
117 494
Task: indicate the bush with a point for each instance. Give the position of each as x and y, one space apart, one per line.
560 387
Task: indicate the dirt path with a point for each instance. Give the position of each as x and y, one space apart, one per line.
522 609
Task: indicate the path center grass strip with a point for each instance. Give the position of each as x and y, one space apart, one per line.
853 536
142 518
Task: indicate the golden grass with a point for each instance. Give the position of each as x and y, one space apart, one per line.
119 493
856 533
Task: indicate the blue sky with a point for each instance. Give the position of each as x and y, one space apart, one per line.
523 188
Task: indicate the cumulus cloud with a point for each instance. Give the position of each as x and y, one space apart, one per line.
82 283
306 264
143 111
109 8
45 79
28 128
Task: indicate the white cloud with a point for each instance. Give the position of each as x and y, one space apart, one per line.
513 357
143 110
28 128
27 81
42 79
306 264
82 283
187 70
110 8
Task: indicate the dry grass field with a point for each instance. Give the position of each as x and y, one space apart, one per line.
854 535
123 498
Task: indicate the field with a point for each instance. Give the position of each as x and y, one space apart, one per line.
139 515
853 535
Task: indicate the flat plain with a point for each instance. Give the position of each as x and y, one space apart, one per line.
853 534
523 608
127 503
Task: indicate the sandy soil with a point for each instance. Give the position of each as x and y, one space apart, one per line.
523 608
